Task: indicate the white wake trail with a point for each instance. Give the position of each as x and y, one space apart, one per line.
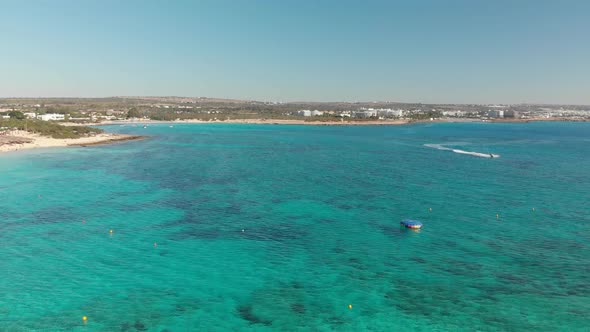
471 153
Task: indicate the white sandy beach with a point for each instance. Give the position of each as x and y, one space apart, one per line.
37 141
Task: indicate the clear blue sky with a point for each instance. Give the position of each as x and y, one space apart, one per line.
443 51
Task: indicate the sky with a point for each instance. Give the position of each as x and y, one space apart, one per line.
431 51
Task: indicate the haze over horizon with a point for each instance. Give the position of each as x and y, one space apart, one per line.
404 51
210 98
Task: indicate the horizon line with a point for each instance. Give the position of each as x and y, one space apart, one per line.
292 102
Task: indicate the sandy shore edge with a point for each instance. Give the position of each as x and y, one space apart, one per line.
337 123
259 121
36 141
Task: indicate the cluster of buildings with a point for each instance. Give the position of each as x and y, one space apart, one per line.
309 113
84 116
381 113
563 113
158 107
44 117
362 113
501 114
174 106
495 112
454 114
51 117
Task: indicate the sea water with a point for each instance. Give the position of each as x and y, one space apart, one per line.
274 227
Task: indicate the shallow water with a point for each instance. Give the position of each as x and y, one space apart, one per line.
261 227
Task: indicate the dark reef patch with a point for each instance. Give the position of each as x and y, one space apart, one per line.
125 326
279 233
338 250
418 259
246 312
55 214
298 308
139 326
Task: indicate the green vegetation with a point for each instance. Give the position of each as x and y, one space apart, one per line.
426 115
16 115
133 113
47 128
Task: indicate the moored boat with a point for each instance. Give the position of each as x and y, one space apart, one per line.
413 224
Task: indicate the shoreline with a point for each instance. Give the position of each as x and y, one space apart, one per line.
22 140
333 123
254 121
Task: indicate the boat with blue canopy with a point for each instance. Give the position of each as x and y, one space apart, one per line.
413 224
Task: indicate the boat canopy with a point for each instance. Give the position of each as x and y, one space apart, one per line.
411 223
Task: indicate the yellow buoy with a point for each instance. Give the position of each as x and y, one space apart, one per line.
84 318
111 231
350 306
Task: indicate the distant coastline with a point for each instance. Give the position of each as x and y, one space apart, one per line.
259 121
332 123
123 110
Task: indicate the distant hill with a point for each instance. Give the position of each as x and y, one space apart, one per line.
195 100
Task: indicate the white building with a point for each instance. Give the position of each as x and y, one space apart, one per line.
389 113
30 115
103 117
316 113
365 114
51 117
496 113
304 112
453 113
510 114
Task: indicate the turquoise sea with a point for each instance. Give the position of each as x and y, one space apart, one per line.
227 227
